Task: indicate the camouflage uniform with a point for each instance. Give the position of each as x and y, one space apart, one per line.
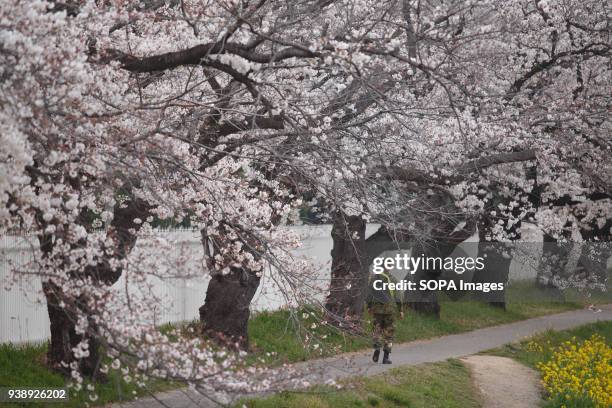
383 325
381 306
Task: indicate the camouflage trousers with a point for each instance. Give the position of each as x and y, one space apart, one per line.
383 326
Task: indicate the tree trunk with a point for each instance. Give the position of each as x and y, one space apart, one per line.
496 266
596 251
349 274
444 235
378 243
552 262
226 310
62 309
496 270
64 338
426 301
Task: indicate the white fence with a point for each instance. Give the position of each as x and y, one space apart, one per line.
23 314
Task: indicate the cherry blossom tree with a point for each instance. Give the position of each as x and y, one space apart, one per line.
411 114
97 148
493 85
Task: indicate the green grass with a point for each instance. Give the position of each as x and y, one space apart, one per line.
24 366
446 384
277 334
527 292
551 339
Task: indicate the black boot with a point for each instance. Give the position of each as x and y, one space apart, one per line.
376 355
386 357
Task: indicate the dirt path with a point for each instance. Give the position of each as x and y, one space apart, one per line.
503 382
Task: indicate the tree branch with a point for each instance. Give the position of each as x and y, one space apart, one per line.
544 65
499 158
463 172
196 55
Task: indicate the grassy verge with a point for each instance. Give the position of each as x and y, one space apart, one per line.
274 338
24 366
446 384
527 292
531 356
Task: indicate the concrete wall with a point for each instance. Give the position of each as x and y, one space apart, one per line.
23 314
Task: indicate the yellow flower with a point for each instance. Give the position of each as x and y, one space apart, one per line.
579 370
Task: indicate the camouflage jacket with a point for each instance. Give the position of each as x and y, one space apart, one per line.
385 296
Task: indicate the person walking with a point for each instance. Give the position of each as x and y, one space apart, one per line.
381 302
